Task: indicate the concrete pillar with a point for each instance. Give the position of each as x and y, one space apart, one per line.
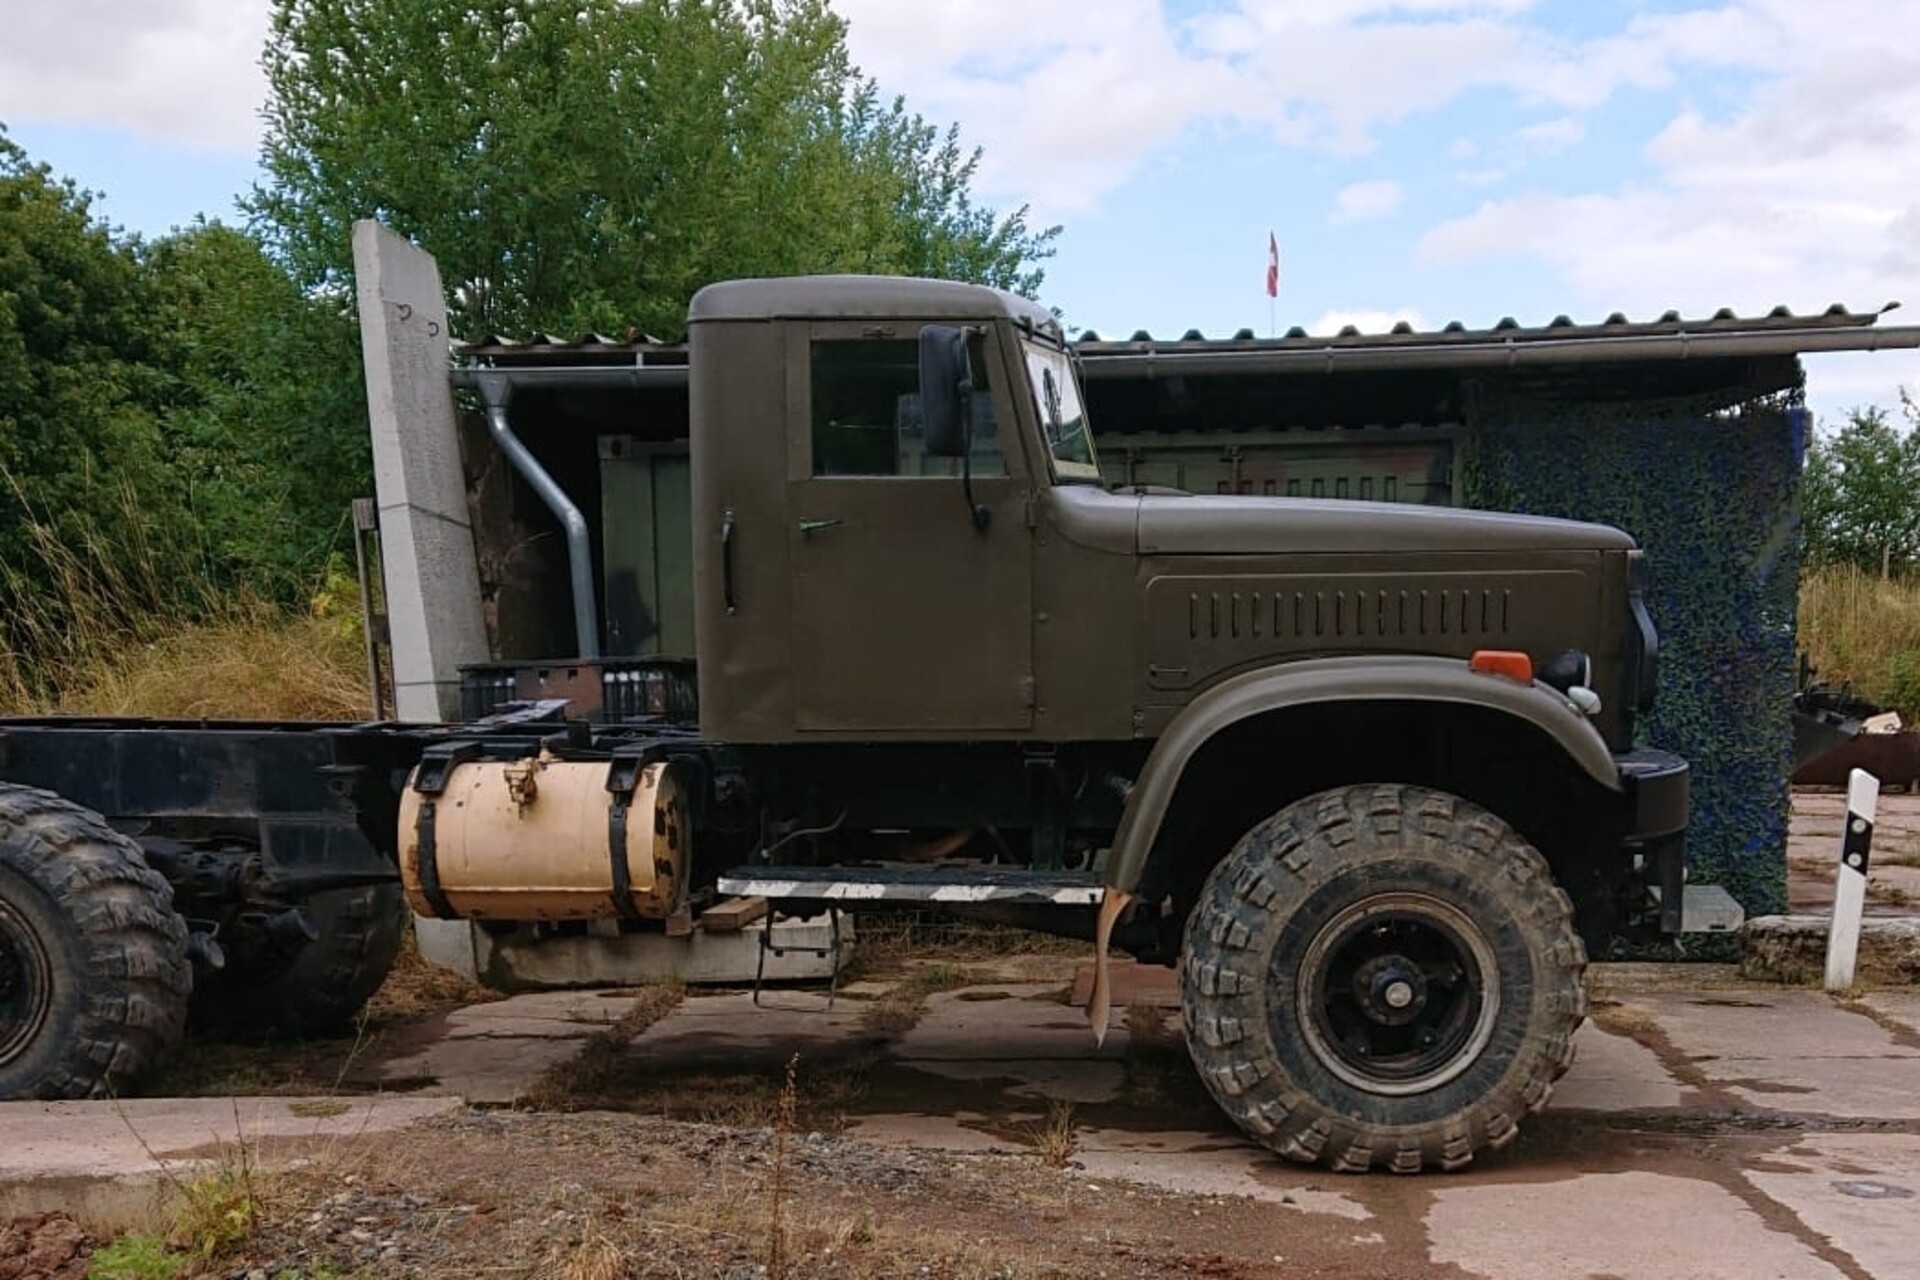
426 540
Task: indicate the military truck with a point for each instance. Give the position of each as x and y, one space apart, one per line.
1364 773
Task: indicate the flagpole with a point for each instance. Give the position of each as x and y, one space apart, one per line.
1273 283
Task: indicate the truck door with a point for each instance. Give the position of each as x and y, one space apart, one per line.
906 617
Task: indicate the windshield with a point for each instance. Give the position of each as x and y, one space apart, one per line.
1063 422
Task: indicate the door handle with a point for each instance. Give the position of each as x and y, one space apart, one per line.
726 560
815 526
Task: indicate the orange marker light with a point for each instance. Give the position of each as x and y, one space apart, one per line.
1502 662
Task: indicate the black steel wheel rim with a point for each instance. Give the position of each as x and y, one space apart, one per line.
26 984
1397 993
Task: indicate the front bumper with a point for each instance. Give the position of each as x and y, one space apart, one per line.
1657 785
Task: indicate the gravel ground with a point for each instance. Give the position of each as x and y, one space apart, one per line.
607 1195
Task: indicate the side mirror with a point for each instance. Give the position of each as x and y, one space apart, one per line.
946 387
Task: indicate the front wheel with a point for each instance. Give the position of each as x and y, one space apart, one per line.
1382 976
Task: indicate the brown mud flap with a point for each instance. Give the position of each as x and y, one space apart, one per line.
1100 1002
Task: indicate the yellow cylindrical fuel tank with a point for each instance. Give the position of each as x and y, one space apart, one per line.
543 839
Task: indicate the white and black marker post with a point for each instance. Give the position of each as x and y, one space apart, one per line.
1850 890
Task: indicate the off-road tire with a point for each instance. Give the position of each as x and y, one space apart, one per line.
94 977
1369 856
324 986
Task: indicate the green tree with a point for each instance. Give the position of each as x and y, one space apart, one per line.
264 417
588 164
1860 493
77 391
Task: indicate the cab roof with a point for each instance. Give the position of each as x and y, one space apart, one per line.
861 297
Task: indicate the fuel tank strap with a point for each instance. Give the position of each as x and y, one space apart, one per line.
622 874
429 865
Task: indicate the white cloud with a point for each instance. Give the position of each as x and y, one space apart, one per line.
1068 104
1071 101
1366 201
1366 320
185 71
1550 137
1803 194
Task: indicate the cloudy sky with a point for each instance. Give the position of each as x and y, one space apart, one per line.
1417 159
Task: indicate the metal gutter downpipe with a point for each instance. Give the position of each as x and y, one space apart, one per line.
496 390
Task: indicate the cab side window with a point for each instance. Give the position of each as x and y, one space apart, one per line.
866 412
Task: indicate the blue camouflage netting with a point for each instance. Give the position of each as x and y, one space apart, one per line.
1713 496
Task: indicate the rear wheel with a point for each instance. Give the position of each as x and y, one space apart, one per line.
94 978
319 986
1382 976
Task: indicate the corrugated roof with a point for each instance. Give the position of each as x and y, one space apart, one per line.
1779 332
1781 318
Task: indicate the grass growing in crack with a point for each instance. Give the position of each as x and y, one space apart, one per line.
905 1003
586 1078
1053 1139
825 1091
893 942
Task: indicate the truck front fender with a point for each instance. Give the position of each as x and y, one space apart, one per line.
1389 678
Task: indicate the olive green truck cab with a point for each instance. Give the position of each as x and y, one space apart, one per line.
1364 772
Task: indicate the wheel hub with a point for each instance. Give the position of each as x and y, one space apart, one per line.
1390 990
26 987
1397 993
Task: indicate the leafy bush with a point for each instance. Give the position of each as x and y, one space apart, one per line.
1860 495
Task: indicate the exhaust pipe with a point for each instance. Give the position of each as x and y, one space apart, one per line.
495 392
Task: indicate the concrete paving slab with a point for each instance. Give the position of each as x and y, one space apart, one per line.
113 1165
106 1139
1027 1025
1902 1008
1630 1226
1154 985
1077 1080
1764 1021
1200 1164
1790 1051
1860 1191
730 1031
588 1010
1614 1073
492 1054
486 1071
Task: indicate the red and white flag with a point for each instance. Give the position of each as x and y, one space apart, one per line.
1273 266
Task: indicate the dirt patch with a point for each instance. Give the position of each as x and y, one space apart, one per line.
43 1246
623 1196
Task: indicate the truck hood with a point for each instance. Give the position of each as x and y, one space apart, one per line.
1232 525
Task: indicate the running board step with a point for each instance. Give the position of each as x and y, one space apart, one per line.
1707 908
915 884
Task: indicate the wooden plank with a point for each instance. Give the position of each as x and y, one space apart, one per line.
732 915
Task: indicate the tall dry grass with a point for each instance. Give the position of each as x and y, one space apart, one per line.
1864 630
119 621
